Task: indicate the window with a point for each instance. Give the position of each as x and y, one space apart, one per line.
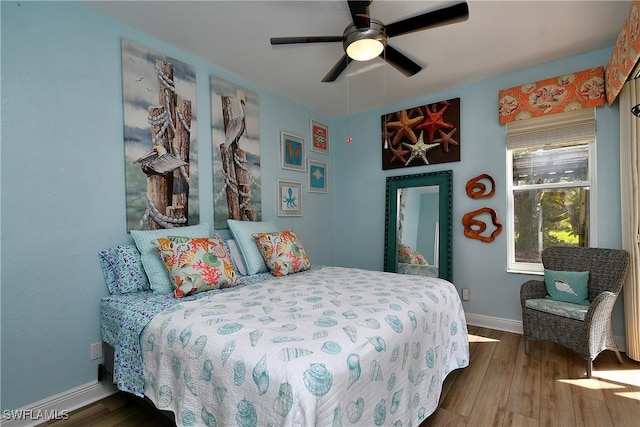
550 186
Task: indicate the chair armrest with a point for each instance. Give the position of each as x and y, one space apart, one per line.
532 289
601 307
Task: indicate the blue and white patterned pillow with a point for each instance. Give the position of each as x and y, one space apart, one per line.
122 269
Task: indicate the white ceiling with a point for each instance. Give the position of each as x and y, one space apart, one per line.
498 37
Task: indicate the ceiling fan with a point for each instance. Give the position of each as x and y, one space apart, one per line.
367 38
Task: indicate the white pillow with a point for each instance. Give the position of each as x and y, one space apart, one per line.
243 234
153 266
236 256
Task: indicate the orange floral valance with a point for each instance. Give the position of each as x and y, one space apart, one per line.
569 92
625 53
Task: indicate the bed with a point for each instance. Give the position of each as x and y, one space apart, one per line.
418 269
411 261
323 346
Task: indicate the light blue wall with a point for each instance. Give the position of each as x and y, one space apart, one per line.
410 219
478 266
429 212
63 184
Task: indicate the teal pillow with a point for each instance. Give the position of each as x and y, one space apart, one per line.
567 286
243 234
156 271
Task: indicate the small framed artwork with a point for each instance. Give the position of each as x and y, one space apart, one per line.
289 198
319 137
317 176
292 152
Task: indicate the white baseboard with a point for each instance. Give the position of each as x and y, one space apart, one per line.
57 405
515 326
507 325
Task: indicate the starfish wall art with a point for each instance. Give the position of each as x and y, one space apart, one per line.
421 135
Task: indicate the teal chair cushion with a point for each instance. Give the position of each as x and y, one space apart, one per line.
559 308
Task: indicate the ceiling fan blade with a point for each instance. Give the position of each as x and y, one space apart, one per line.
337 69
308 39
448 15
360 13
399 61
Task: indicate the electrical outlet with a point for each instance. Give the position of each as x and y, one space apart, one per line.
466 296
96 350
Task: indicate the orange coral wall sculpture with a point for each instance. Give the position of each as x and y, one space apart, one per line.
477 189
473 227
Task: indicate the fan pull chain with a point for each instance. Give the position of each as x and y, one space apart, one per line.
384 76
349 139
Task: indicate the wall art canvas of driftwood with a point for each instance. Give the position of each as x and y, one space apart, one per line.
422 135
235 135
159 97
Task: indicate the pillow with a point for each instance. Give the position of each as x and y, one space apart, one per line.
282 252
236 256
196 264
243 234
408 255
567 286
122 270
156 272
419 259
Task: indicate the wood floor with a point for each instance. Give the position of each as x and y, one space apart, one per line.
502 386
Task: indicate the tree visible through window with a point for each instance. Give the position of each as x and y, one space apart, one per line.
549 196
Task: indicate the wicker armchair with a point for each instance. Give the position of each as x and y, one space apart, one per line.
591 336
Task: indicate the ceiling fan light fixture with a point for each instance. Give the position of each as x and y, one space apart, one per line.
363 44
365 49
367 38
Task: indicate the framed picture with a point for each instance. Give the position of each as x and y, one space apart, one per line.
292 152
317 176
149 186
319 137
289 198
236 162
423 135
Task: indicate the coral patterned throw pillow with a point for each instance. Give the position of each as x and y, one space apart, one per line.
282 252
196 264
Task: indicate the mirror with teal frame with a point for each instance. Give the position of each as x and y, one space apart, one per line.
419 209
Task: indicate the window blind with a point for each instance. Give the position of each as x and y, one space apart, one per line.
554 130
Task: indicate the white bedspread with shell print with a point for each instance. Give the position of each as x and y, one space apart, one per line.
331 346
